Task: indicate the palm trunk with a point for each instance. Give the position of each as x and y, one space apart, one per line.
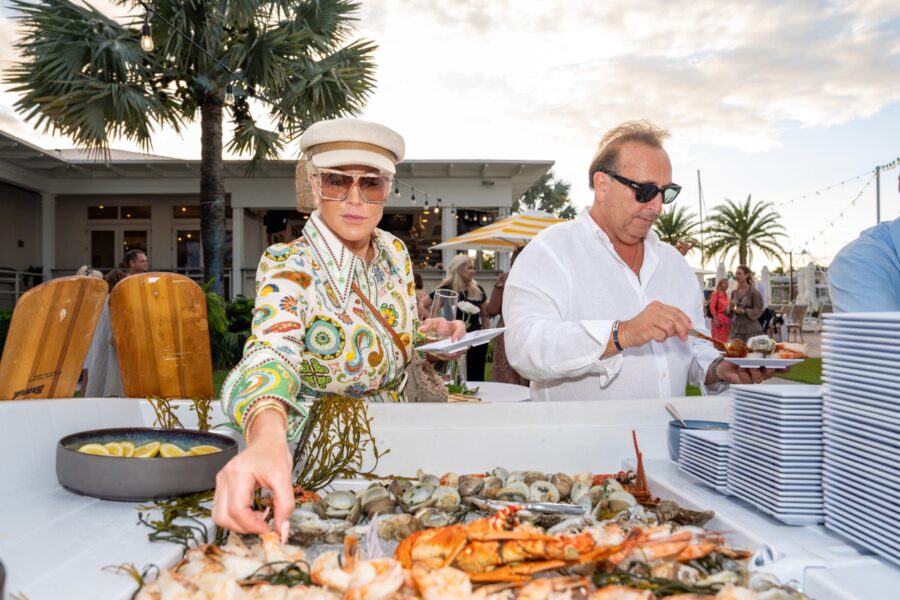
212 195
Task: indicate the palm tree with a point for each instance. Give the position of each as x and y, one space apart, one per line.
742 227
676 224
84 75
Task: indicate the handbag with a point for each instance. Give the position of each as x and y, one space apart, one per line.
423 383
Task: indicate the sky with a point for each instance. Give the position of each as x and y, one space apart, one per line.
782 101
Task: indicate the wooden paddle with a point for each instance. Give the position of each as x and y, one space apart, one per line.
49 338
162 336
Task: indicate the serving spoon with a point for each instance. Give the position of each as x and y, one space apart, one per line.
674 412
732 348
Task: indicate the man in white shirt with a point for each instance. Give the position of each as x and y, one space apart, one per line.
598 307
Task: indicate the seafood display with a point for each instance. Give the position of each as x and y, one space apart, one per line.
497 535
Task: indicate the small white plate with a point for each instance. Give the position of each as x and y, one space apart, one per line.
777 408
799 491
765 441
845 375
863 430
473 338
873 531
786 418
832 482
712 437
778 472
838 404
776 508
769 363
783 390
844 458
860 538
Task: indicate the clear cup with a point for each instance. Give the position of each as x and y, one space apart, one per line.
443 306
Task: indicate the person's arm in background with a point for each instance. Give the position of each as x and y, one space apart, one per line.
495 304
756 308
865 275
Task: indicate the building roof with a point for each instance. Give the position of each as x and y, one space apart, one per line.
79 164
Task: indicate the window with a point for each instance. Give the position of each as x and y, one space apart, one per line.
189 249
102 211
192 211
134 212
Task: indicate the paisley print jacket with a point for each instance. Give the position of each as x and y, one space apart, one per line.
312 335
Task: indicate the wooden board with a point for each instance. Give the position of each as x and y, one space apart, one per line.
49 338
162 336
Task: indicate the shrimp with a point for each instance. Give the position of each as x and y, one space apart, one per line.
621 592
445 583
375 579
554 588
330 571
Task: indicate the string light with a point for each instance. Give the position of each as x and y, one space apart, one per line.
412 199
427 212
229 94
147 44
396 191
437 209
832 223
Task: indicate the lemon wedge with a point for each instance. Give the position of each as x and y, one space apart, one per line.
203 449
147 450
98 449
127 449
171 451
114 448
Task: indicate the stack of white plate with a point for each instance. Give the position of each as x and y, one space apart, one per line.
776 452
704 454
861 358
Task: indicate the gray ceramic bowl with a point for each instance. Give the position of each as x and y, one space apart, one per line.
675 429
140 479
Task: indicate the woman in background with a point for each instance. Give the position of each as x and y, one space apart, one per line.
746 306
503 371
461 279
718 311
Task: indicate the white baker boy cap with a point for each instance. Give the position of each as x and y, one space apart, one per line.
343 142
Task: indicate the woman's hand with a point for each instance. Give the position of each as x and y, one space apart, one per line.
442 327
265 463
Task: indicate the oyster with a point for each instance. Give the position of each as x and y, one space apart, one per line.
760 346
397 527
309 532
669 511
336 532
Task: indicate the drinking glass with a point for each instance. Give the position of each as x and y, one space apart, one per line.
443 306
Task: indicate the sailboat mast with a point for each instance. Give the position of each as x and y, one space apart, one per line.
700 202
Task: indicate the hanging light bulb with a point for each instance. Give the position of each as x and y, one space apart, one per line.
453 210
147 44
396 191
412 199
229 94
427 212
437 209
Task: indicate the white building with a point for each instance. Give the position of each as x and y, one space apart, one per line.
61 209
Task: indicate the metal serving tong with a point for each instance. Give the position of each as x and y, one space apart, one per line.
538 507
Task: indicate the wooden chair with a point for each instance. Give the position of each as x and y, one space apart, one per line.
794 321
162 336
49 338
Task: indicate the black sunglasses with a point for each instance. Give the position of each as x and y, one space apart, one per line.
645 192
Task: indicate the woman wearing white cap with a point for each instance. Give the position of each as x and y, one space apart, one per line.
335 314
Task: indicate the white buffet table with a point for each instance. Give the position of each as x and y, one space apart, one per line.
54 543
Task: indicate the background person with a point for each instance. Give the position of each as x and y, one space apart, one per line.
135 262
865 274
718 310
746 306
502 371
460 278
335 314
599 307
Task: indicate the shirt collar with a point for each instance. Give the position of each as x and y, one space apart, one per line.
652 242
336 261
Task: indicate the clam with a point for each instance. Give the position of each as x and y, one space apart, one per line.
450 479
426 479
516 491
543 491
760 346
532 476
469 486
303 514
308 533
598 492
416 497
335 533
585 501
501 473
564 484
446 498
432 517
515 476
601 508
619 501
356 511
397 527
398 486
610 485
492 485
377 500
338 504
578 490
584 477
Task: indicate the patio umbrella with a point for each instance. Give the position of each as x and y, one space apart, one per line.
720 272
766 279
506 234
806 287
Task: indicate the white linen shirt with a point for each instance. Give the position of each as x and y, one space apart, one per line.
563 294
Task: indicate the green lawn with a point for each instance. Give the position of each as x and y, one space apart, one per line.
219 376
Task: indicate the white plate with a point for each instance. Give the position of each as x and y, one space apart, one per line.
840 405
868 339
798 420
846 458
861 363
834 482
473 338
839 349
774 508
714 462
865 386
791 491
714 437
885 449
699 468
766 441
873 531
845 376
862 429
786 433
870 504
857 537
771 390
714 469
719 486
777 408
769 363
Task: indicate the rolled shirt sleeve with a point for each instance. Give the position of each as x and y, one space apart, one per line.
865 274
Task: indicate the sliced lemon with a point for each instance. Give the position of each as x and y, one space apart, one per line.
203 449
171 451
114 448
127 449
147 450
98 449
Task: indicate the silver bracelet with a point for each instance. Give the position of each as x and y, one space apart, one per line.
714 367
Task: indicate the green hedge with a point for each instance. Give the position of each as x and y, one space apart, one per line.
5 319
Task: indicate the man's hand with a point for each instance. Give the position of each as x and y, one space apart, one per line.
731 373
265 463
657 322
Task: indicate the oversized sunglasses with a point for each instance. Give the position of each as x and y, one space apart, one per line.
645 192
332 184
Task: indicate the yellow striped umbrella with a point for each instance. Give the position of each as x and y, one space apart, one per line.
506 234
